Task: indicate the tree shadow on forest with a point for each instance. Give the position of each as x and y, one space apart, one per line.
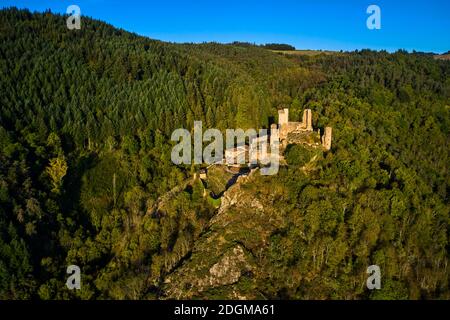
70 200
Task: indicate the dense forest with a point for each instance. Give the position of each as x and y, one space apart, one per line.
85 123
278 46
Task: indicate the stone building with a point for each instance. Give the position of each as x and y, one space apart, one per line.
285 126
326 139
289 132
301 132
203 174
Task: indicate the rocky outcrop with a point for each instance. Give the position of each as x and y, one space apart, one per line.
222 263
229 268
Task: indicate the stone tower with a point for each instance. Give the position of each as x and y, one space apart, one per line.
273 127
326 139
283 116
307 119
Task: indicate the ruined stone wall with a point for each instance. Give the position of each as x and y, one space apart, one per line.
283 116
289 127
295 129
308 121
326 139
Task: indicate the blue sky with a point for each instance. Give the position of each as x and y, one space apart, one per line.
306 24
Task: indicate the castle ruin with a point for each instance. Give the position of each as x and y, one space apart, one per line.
326 139
285 126
301 132
290 132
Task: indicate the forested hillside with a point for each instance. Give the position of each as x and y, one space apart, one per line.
85 123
